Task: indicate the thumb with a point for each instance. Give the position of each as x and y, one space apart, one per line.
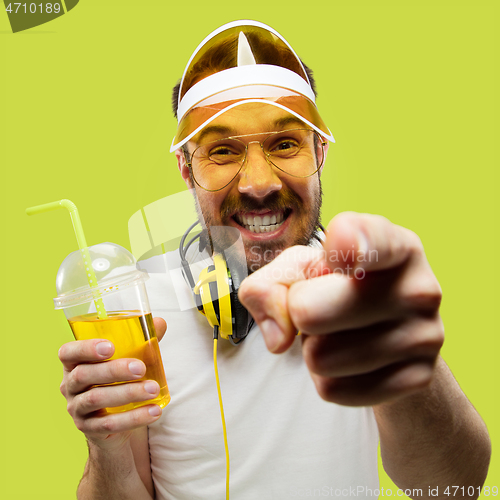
160 327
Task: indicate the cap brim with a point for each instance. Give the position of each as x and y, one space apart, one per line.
198 118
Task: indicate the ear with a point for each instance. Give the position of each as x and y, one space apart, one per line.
324 159
183 168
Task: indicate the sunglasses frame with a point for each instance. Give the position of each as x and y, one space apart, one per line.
189 162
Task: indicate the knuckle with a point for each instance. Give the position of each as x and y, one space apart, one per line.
326 357
348 217
415 240
254 293
396 245
78 375
81 346
415 375
373 222
424 293
70 407
434 338
108 425
304 257
325 388
344 391
62 388
135 418
376 217
249 287
79 424
309 352
422 376
313 353
252 280
63 352
115 369
439 331
92 398
131 391
318 364
422 338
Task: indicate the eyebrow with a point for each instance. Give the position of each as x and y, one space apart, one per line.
286 120
215 129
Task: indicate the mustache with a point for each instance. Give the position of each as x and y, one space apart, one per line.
277 201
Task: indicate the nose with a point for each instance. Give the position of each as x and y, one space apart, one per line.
258 177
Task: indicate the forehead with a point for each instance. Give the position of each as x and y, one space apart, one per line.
250 118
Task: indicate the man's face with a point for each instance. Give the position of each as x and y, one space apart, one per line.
261 194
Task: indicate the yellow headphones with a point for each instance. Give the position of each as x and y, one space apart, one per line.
216 292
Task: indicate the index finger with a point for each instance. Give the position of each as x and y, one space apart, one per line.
84 351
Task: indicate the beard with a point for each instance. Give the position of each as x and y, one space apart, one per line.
258 254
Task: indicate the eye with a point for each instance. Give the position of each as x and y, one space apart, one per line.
223 151
284 146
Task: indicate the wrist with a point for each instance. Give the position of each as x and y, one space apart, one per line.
114 444
111 473
103 454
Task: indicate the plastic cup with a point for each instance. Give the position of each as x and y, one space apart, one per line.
127 319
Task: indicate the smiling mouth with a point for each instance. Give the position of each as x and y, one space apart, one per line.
264 223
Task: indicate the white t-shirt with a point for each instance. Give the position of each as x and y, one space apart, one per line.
284 440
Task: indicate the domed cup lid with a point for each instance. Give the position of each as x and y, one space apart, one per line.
115 268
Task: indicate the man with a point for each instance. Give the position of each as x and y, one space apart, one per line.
251 145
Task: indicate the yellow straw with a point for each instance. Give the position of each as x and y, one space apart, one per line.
82 244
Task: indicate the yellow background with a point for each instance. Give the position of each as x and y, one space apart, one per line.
409 89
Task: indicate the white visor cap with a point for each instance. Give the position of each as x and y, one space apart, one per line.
243 62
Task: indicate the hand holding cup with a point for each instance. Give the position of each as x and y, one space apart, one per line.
91 384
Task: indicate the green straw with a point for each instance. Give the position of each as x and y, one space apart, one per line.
82 244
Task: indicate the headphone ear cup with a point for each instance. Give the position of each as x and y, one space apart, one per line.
238 272
214 295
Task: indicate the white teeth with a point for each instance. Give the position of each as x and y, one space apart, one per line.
262 229
259 220
261 224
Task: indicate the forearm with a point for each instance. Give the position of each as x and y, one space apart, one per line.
112 474
434 438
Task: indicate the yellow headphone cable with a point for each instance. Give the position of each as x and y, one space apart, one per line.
216 338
